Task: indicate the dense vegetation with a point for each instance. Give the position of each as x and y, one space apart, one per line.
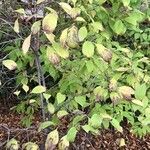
88 60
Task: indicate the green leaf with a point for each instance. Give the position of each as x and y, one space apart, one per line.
51 108
10 64
88 128
119 27
82 34
116 124
60 98
95 121
38 89
61 51
140 91
88 49
44 125
81 100
71 135
50 22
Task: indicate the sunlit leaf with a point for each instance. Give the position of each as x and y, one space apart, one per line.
39 1
51 108
16 26
61 51
10 64
50 22
36 27
38 89
61 113
63 144
25 88
52 140
82 34
60 98
88 49
116 124
26 44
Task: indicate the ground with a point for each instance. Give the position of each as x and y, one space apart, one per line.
10 127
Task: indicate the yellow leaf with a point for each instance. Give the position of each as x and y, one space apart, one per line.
63 144
66 7
50 22
26 44
39 1
50 37
122 142
52 140
20 11
61 51
63 37
10 64
16 26
36 27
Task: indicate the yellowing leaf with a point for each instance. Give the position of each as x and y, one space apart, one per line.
26 44
122 142
50 22
88 49
61 51
66 7
137 102
30 146
126 92
52 140
20 11
50 37
36 27
16 26
38 89
63 144
80 19
61 113
12 144
39 1
97 26
63 37
10 64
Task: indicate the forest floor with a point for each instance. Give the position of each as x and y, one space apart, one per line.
10 127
